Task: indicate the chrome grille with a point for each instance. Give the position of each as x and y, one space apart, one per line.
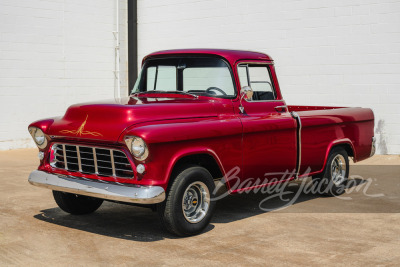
91 160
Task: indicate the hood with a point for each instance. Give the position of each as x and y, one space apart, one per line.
108 119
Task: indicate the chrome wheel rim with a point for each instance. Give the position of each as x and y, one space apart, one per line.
195 202
338 170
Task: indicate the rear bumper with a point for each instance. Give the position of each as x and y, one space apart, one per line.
373 147
99 189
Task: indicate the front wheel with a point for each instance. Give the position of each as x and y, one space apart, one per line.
189 205
76 204
333 180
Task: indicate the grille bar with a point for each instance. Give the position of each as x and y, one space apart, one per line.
65 157
79 158
96 168
91 160
112 162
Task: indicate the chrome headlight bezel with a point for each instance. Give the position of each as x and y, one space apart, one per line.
39 137
137 146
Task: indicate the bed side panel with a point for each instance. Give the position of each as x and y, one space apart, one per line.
322 129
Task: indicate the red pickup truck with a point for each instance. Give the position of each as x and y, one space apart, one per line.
193 116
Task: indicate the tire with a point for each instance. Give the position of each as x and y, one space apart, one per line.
333 180
76 204
189 207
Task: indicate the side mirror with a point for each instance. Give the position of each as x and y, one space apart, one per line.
245 93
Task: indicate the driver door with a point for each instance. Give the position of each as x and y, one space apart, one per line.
269 131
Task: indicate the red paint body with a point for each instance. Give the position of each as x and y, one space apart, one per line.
175 126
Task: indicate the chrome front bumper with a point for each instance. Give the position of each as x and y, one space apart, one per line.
100 189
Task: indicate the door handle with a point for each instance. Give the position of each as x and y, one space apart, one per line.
281 108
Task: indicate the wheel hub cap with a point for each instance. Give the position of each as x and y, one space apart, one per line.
195 202
338 170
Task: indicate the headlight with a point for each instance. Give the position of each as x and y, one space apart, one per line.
137 147
38 136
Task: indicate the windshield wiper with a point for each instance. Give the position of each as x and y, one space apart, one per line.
166 92
182 92
146 92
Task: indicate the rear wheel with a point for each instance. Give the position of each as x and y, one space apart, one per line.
333 180
76 204
189 206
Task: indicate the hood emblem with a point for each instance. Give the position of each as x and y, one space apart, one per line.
80 131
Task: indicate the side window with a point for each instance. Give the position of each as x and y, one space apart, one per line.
259 79
242 71
162 78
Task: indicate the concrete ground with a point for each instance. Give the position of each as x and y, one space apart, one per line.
360 229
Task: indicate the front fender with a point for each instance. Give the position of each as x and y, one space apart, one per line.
170 141
44 124
189 152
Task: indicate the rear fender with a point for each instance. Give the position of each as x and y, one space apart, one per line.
338 142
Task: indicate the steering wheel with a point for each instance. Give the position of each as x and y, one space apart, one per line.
210 90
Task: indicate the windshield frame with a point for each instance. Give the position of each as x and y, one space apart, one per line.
141 77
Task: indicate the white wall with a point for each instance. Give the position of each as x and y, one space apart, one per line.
54 54
327 52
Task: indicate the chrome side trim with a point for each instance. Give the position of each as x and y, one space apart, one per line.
298 120
99 189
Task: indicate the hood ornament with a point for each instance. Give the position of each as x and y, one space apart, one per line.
80 131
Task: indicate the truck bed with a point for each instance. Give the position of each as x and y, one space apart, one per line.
323 127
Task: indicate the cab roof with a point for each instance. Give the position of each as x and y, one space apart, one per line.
231 55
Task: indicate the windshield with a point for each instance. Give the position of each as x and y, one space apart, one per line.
193 75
